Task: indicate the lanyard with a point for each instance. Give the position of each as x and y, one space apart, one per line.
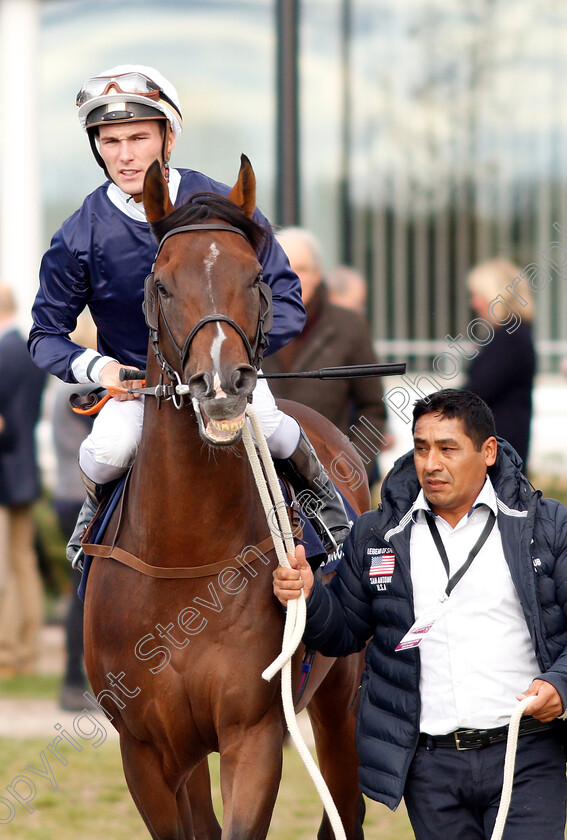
453 581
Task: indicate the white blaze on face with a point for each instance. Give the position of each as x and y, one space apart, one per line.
209 265
215 356
217 386
220 336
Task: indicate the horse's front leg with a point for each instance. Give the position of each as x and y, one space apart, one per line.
251 769
205 823
167 814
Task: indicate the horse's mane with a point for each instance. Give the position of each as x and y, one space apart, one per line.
204 207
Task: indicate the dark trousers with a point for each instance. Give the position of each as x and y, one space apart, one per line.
67 513
452 795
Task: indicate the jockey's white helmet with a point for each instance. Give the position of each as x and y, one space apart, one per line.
129 92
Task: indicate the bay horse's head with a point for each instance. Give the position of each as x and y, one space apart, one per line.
206 304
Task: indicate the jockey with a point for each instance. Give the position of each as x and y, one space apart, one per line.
100 257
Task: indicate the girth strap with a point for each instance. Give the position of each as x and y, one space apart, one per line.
175 572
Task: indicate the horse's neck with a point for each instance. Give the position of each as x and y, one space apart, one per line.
177 468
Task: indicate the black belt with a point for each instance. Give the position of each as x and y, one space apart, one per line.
476 739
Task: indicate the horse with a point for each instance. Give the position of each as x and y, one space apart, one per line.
179 632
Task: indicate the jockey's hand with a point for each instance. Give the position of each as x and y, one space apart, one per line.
288 583
546 704
109 377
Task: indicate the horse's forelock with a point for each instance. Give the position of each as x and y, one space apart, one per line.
205 207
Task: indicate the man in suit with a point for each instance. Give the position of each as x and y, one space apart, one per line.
332 336
21 595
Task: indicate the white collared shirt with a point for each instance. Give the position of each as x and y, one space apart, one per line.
479 655
135 209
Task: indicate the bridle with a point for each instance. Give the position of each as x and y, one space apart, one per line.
153 309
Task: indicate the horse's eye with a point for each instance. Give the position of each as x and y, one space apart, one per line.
162 291
257 280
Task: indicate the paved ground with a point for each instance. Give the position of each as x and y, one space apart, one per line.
38 718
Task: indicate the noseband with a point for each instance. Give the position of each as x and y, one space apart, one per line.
153 309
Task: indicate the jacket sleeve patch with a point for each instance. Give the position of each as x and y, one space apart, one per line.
382 565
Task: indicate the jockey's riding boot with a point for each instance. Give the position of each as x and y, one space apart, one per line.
317 495
95 494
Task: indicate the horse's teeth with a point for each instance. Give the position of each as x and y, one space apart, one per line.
223 431
228 425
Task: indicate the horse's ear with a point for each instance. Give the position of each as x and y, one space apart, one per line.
243 194
157 203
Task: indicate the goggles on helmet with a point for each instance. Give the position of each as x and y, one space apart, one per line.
124 83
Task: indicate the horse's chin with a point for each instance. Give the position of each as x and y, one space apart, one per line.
217 431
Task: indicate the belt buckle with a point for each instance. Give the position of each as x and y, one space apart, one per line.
458 740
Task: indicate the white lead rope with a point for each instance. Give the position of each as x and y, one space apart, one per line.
509 763
296 609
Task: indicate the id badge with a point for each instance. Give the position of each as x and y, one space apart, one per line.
421 627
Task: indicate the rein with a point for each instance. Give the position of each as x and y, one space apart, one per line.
509 763
296 609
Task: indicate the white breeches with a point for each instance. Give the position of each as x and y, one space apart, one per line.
115 436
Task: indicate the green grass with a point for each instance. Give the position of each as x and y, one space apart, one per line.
32 687
76 808
92 801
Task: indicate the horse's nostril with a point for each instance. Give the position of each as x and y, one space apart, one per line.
201 385
243 379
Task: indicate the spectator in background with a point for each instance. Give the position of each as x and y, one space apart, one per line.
21 598
502 373
332 336
6 441
69 430
347 288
